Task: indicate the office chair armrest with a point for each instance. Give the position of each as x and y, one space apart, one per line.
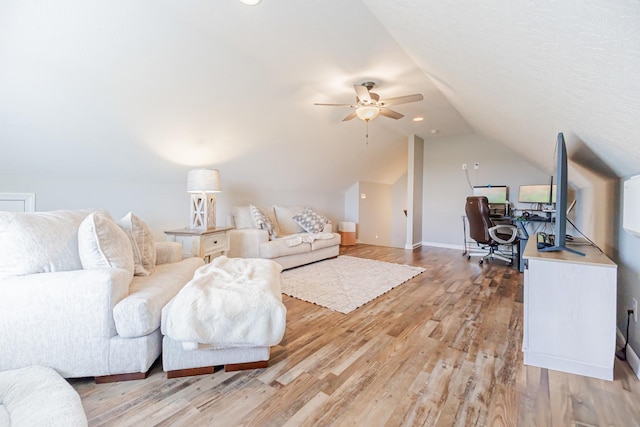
503 227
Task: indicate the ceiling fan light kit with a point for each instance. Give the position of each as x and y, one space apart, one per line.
367 113
369 105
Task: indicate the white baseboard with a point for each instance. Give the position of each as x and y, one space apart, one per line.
412 247
443 245
632 357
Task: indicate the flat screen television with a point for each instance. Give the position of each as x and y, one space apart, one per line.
560 230
537 194
494 193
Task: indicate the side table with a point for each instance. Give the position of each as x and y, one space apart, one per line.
205 244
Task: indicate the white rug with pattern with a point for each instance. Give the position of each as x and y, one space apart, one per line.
345 283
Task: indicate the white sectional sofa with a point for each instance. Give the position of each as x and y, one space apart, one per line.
279 236
69 299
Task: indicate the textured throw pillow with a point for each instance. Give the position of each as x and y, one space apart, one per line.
311 221
261 221
144 247
101 243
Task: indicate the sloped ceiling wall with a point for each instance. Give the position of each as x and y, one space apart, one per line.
519 72
145 90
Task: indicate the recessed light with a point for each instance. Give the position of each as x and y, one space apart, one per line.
434 131
418 119
251 2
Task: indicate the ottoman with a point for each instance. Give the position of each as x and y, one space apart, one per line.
229 314
38 396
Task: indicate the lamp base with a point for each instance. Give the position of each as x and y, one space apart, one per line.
203 211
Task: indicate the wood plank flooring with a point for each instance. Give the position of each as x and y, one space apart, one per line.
443 349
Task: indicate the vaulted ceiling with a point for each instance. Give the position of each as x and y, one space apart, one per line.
147 89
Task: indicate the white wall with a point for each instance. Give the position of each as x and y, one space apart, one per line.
596 197
446 188
374 223
352 203
398 217
628 260
415 172
162 205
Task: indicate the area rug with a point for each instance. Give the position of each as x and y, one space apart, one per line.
345 283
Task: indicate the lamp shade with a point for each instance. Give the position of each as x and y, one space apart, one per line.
203 181
367 113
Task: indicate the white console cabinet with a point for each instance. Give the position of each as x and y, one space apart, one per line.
570 311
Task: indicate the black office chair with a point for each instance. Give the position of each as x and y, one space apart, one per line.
487 234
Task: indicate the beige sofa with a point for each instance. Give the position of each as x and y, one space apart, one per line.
69 298
289 244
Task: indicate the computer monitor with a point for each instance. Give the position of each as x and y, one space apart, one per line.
494 193
536 194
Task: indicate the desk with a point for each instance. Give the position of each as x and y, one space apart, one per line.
529 215
570 311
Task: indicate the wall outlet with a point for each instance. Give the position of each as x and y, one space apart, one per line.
476 165
464 166
634 307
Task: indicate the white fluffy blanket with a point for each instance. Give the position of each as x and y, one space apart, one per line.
307 238
229 302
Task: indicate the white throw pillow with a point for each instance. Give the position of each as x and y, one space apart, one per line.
142 243
261 221
102 243
39 242
311 221
242 217
284 216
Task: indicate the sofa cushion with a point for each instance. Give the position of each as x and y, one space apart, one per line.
144 248
139 313
284 216
261 221
39 242
311 221
101 243
280 247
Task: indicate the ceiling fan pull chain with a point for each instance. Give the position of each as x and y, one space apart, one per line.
367 132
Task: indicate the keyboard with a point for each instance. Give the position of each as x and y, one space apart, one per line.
545 240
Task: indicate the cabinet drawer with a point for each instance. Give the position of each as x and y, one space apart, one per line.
213 243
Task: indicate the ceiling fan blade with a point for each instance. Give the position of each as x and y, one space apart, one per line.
336 105
349 117
390 113
363 94
402 99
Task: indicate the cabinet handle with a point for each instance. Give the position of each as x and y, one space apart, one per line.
215 242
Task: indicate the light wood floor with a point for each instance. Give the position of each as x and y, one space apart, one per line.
443 349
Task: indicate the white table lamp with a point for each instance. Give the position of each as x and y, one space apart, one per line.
202 184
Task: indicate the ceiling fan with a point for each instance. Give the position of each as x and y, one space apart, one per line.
369 105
